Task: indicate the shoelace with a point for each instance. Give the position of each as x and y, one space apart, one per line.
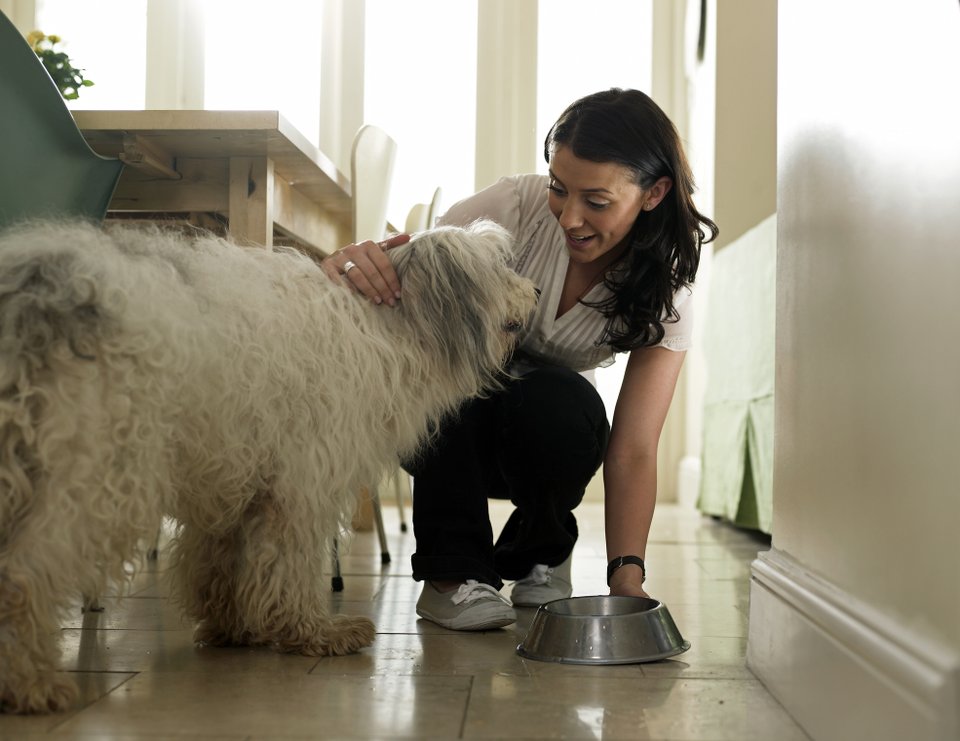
540 574
474 590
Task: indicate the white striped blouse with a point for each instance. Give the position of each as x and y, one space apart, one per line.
574 340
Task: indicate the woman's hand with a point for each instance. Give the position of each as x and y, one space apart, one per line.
627 581
365 268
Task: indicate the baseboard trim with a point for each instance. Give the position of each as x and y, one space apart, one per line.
840 668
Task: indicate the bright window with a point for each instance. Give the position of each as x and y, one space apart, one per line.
420 87
111 54
265 56
583 48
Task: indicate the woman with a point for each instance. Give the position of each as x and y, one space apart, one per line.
612 239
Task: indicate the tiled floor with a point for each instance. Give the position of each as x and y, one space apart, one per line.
142 677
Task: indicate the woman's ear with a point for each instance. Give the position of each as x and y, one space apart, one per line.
656 193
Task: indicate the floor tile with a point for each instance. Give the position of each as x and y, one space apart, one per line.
137 613
560 706
171 651
142 676
315 706
438 654
92 687
709 620
707 658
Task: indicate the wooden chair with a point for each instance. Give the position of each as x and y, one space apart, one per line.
423 216
371 171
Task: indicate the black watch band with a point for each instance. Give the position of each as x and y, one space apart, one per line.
622 560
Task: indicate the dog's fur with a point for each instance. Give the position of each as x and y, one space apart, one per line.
237 390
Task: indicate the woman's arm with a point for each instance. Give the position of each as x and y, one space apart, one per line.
630 465
365 268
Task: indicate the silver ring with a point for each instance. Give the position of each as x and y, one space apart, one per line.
348 266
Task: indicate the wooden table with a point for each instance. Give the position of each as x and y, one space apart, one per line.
251 167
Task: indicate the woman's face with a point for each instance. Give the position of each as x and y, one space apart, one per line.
596 204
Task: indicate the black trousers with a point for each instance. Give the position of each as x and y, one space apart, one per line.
538 442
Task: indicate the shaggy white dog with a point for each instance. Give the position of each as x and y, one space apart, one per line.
237 390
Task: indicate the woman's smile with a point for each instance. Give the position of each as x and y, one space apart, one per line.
595 203
577 242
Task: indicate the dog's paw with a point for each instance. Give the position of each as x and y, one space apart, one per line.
209 633
51 693
336 636
348 634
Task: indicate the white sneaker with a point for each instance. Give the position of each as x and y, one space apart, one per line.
543 584
474 606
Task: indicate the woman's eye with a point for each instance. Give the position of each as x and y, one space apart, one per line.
596 205
556 190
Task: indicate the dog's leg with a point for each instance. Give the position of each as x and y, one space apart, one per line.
203 569
29 649
281 596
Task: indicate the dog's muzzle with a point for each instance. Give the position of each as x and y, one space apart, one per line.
513 327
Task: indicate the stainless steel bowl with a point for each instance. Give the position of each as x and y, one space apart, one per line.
602 630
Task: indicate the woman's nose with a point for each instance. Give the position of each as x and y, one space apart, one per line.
571 216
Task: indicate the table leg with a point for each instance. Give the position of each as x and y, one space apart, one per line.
251 200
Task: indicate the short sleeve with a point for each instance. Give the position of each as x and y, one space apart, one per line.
499 202
678 335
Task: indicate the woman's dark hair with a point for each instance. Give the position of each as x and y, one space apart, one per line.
627 127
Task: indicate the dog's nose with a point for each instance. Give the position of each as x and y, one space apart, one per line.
513 326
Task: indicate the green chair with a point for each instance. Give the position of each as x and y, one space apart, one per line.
47 170
46 167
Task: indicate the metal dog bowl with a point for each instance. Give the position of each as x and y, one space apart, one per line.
602 630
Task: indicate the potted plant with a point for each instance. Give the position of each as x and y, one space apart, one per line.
67 78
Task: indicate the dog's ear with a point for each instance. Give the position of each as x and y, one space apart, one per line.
454 292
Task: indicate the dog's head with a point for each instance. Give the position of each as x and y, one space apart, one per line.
461 298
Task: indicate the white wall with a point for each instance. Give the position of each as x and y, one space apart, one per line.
745 168
700 75
855 619
341 78
175 56
724 104
506 89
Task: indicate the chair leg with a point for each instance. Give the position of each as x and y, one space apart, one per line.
154 551
378 521
91 604
400 478
336 583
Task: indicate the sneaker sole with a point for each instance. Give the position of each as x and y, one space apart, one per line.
487 624
530 602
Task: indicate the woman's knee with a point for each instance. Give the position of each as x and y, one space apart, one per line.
555 423
458 436
554 396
